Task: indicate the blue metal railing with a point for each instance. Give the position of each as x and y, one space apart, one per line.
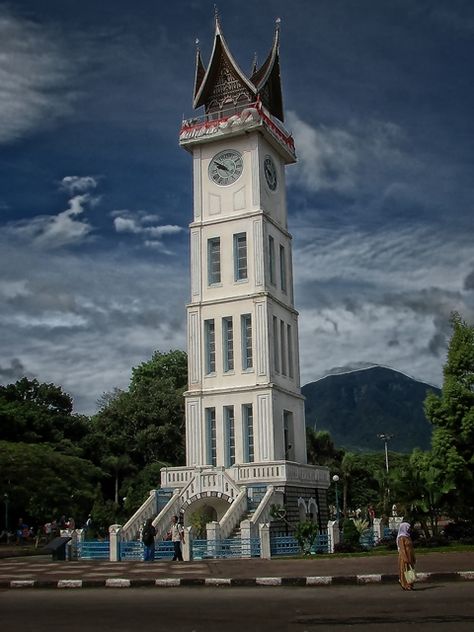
93 550
232 547
288 545
367 539
134 550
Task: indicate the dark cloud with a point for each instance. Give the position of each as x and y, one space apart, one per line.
14 372
469 281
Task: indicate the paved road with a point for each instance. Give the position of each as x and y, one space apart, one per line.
380 608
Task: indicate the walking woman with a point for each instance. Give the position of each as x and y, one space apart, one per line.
406 556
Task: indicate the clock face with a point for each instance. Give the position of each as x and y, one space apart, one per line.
270 172
226 167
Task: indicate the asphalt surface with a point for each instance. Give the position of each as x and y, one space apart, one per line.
436 607
40 571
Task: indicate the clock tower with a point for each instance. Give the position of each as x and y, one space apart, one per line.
245 425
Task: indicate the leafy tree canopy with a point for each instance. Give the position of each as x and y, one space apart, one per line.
34 412
43 484
146 422
452 415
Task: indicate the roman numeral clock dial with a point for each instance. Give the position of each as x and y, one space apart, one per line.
226 167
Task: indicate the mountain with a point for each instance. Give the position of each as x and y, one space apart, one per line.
358 405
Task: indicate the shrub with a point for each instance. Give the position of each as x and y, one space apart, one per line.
350 535
460 531
344 547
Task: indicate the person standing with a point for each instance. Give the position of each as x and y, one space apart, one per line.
406 555
148 539
177 537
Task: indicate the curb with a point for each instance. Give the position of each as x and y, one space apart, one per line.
174 582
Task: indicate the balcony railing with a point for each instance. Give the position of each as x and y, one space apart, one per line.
271 472
245 115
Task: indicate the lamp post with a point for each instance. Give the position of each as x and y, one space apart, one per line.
335 479
385 436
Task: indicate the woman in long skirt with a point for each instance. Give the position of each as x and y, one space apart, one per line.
406 554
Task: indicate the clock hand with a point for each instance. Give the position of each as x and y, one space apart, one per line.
222 165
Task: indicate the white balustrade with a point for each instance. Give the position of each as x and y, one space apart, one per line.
131 528
232 516
163 520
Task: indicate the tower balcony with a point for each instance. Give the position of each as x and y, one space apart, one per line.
242 474
225 123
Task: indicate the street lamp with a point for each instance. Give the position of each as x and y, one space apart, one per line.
335 479
385 436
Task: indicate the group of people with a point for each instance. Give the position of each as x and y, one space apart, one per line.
47 531
175 534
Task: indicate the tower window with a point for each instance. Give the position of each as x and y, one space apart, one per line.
240 257
211 436
289 342
271 259
288 435
247 354
228 343
247 417
276 349
282 269
210 346
214 260
229 435
283 347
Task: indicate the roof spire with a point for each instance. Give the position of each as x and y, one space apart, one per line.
254 64
216 18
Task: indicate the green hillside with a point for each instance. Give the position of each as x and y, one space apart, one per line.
357 406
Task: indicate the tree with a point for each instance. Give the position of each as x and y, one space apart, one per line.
147 421
452 415
34 412
321 449
43 483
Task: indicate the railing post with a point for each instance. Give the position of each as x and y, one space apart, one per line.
213 535
115 537
188 544
394 522
334 534
264 534
378 529
246 535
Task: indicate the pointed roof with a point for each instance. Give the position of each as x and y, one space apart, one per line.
221 62
267 78
200 70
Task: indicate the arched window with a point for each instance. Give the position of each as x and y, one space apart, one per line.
301 509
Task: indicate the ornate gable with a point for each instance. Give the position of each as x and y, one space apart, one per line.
267 79
224 84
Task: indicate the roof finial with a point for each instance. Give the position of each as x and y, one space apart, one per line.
277 23
254 63
197 43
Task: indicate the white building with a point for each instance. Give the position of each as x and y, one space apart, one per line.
245 426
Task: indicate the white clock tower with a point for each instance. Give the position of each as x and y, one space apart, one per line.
245 426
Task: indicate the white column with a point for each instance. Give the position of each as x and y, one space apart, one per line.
265 548
334 534
188 544
114 536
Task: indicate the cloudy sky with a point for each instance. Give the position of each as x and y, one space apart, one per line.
95 193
